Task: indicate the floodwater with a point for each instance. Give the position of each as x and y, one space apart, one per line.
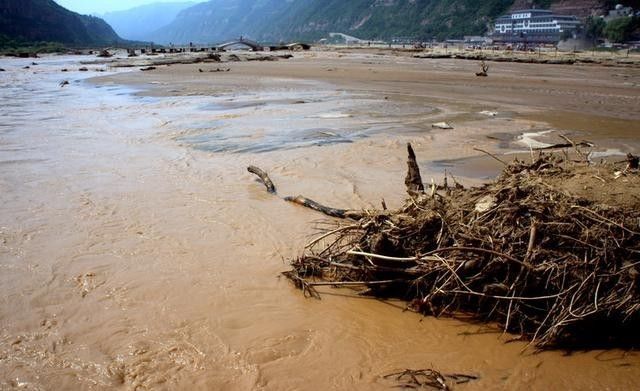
137 253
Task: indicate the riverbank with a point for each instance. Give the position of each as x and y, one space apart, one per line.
589 100
138 252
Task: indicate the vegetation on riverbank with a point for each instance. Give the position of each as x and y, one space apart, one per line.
32 22
617 30
12 46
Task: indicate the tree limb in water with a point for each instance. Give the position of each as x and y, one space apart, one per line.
264 177
306 202
333 212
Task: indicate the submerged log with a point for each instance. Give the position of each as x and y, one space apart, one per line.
264 177
304 201
329 211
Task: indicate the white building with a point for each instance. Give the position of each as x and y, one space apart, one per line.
533 26
619 12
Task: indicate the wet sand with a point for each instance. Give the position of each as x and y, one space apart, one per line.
137 252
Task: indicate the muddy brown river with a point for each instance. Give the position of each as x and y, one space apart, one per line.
137 253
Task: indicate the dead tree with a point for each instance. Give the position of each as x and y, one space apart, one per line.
633 162
485 69
413 180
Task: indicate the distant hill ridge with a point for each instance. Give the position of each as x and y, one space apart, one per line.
139 22
272 20
283 20
45 20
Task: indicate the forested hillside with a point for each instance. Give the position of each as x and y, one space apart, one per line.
44 20
276 20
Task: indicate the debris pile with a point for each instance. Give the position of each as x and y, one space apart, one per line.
553 268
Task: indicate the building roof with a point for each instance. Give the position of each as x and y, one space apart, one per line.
540 14
532 10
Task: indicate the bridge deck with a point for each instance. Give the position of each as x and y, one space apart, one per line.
251 44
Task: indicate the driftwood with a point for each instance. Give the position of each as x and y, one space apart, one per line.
215 70
329 211
307 202
485 69
584 144
632 162
213 57
148 68
264 177
491 155
413 180
428 378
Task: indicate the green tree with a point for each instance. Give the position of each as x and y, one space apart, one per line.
594 27
619 30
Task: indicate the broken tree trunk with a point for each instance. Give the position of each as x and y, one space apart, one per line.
333 212
306 202
485 69
584 144
271 188
633 161
413 181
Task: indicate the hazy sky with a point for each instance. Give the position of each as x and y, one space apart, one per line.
102 6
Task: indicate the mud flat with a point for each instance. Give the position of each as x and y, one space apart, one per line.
136 251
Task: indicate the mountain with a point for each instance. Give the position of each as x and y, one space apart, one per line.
276 20
579 8
44 20
139 22
384 19
218 20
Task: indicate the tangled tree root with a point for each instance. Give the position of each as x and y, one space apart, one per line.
555 269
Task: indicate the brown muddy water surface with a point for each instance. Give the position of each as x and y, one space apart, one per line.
136 252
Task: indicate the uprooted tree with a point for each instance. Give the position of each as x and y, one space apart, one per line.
553 268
